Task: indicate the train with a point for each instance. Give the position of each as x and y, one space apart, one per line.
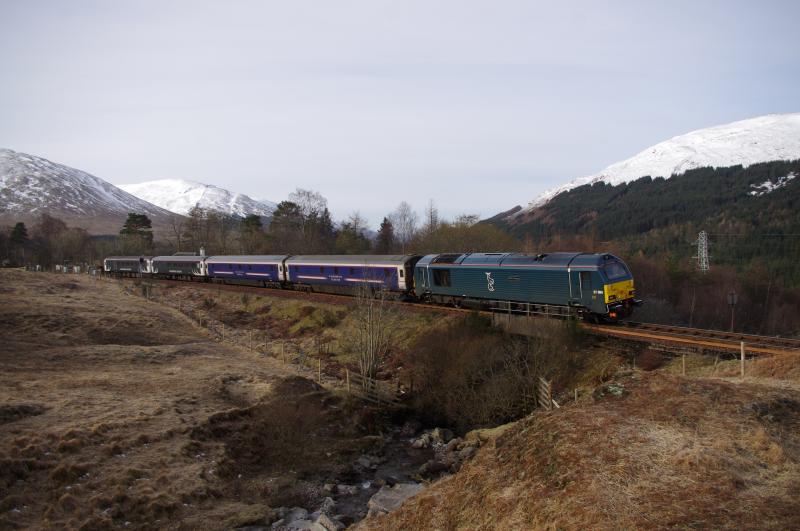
594 286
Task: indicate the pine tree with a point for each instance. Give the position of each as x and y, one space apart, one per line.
19 238
384 243
137 234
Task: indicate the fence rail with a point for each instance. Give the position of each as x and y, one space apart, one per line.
369 390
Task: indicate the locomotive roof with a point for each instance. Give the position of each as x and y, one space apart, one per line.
556 260
355 259
252 258
127 258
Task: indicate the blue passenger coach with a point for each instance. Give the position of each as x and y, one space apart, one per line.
392 273
261 269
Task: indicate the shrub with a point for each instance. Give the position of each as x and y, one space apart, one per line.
209 303
472 375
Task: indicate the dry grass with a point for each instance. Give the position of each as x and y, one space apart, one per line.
100 394
297 326
671 452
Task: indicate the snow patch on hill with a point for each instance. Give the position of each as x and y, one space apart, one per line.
769 186
180 196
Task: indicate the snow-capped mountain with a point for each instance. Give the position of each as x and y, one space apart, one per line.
31 185
181 196
747 142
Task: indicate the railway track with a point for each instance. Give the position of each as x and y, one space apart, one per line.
697 339
677 337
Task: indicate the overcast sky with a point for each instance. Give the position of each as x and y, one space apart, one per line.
477 105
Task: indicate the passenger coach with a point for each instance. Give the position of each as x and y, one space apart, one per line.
127 265
340 273
179 267
261 269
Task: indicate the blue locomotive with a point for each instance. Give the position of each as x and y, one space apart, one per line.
595 286
592 285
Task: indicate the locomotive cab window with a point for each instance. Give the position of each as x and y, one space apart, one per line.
615 270
441 277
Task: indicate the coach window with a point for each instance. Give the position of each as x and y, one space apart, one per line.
249 267
441 277
387 272
321 269
352 270
401 273
335 270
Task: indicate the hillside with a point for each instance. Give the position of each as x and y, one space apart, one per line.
738 206
180 196
743 143
30 186
647 451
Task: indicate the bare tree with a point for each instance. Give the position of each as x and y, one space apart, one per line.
176 224
310 202
431 217
358 222
404 220
374 337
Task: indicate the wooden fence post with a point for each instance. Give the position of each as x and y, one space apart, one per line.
283 351
683 365
544 395
223 332
250 334
576 394
319 370
742 361
347 378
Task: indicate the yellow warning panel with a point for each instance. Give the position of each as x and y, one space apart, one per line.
619 291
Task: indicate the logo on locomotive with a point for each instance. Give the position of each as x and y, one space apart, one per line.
489 281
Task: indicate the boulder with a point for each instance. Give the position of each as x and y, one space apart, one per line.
388 499
478 437
295 513
452 445
441 435
423 441
467 452
432 467
327 506
329 524
299 524
346 490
